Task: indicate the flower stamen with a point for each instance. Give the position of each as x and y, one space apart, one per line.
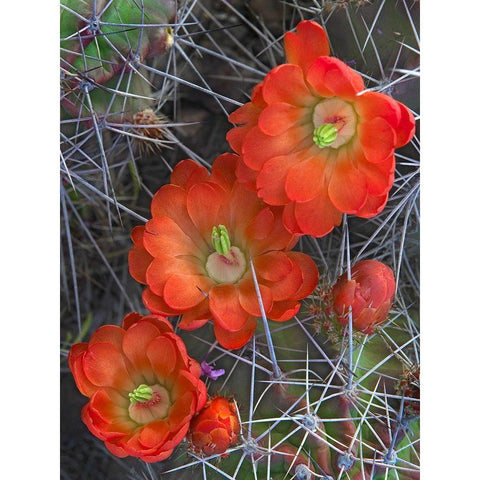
220 240
143 393
227 263
324 135
147 407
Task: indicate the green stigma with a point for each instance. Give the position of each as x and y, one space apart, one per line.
220 240
143 393
324 135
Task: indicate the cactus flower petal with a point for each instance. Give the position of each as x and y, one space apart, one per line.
369 294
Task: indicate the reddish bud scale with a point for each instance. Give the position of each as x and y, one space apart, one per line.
215 428
409 386
369 293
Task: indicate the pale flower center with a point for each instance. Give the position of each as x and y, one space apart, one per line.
149 403
334 113
227 264
228 267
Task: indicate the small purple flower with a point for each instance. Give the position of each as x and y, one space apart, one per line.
210 372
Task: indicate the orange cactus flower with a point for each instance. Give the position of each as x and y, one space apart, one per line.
313 140
194 254
143 387
369 292
215 428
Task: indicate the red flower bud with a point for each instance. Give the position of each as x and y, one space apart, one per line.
215 428
369 292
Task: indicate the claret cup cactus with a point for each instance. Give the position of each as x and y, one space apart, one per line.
277 285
